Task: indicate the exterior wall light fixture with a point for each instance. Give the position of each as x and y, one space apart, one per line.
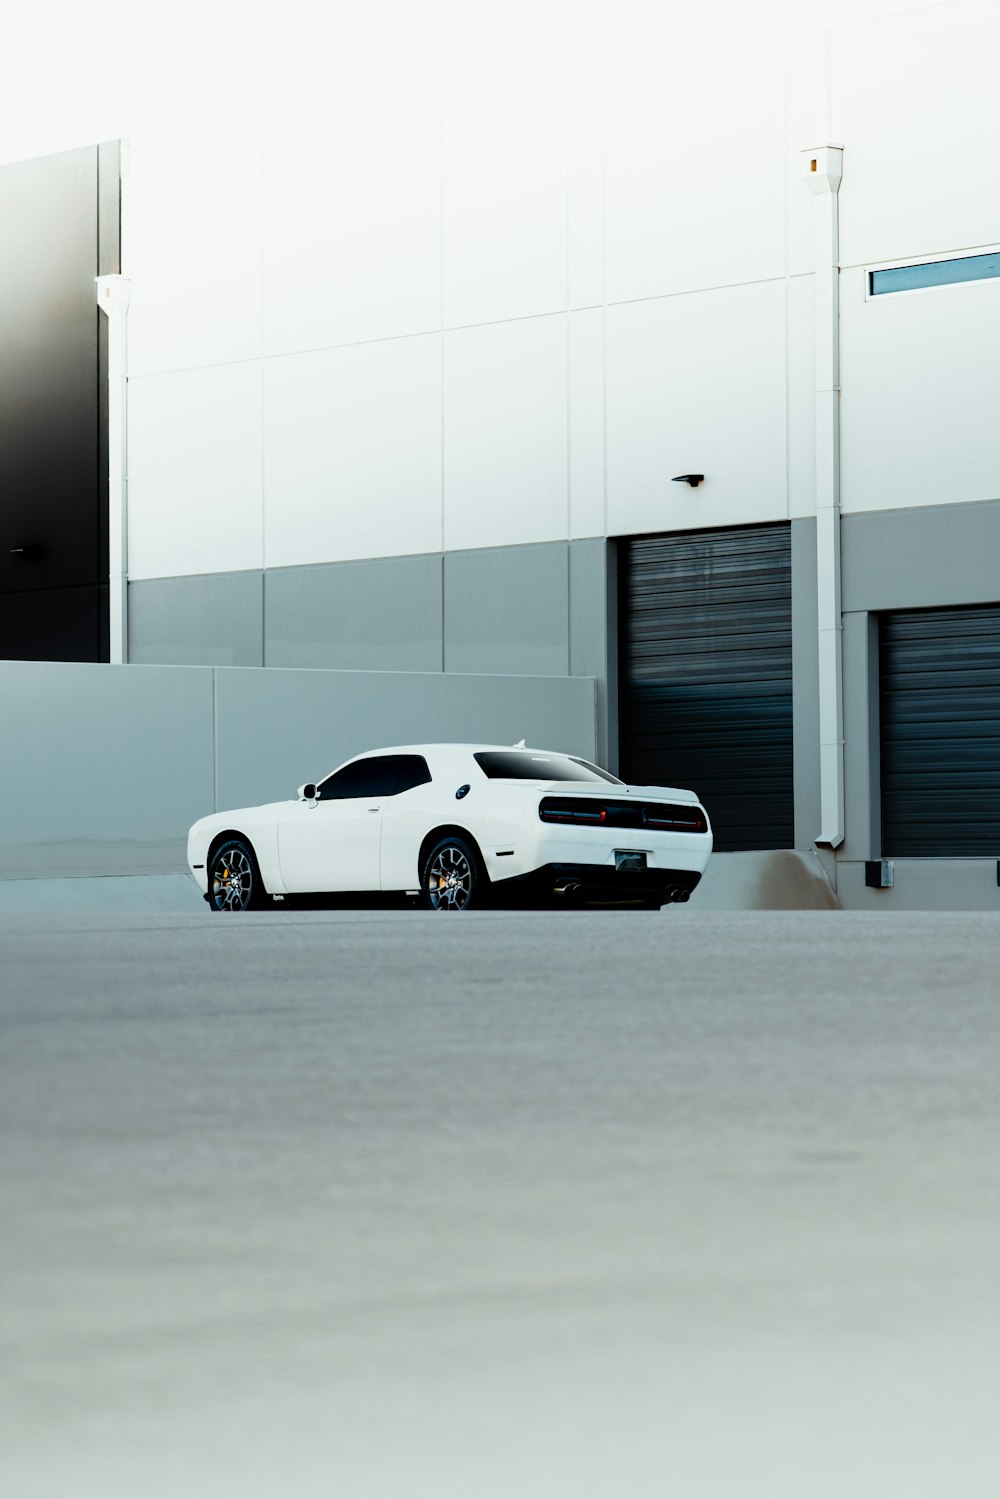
693 479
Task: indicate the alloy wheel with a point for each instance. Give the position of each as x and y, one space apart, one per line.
449 880
232 879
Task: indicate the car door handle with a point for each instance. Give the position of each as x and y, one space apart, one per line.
374 809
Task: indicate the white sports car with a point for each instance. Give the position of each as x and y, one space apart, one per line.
456 825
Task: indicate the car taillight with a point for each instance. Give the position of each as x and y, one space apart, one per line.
677 820
565 811
657 817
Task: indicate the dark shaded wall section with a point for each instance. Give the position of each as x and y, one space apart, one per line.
59 229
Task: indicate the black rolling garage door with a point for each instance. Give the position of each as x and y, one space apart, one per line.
939 675
705 675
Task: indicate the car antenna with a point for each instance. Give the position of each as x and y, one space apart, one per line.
520 744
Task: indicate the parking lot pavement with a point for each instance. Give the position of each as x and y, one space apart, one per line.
385 1206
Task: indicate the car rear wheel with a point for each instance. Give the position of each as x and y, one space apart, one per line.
234 882
450 880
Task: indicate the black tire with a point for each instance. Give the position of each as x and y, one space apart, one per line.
234 882
451 879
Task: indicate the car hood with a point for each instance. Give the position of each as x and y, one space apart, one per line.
269 811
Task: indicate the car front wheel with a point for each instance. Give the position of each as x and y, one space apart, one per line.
234 882
450 880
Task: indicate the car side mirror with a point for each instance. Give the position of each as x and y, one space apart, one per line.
307 793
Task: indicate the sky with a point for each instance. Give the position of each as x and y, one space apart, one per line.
248 73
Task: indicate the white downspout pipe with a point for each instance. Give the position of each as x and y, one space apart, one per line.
822 169
113 299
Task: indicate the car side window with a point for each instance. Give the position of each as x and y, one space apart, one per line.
374 776
411 771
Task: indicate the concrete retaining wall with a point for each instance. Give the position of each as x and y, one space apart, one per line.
777 880
104 768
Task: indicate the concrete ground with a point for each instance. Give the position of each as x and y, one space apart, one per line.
511 1206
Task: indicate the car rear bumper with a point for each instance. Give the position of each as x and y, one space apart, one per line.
601 882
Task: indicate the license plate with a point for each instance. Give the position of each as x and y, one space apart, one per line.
628 860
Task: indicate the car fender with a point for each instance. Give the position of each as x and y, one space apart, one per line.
490 814
258 825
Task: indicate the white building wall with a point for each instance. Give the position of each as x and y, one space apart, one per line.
515 324
351 239
921 394
696 383
914 100
352 451
425 384
195 478
505 433
695 175
504 211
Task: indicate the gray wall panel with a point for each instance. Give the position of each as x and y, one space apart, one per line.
277 729
922 558
215 619
861 750
805 683
588 625
102 768
109 208
506 609
381 615
923 885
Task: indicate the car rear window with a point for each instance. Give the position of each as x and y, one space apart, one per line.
532 765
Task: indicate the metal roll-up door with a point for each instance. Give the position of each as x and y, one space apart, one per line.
939 675
705 675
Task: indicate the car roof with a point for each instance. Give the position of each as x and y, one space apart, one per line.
473 748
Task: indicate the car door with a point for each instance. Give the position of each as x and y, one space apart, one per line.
332 843
408 814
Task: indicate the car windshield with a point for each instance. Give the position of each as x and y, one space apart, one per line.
533 765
